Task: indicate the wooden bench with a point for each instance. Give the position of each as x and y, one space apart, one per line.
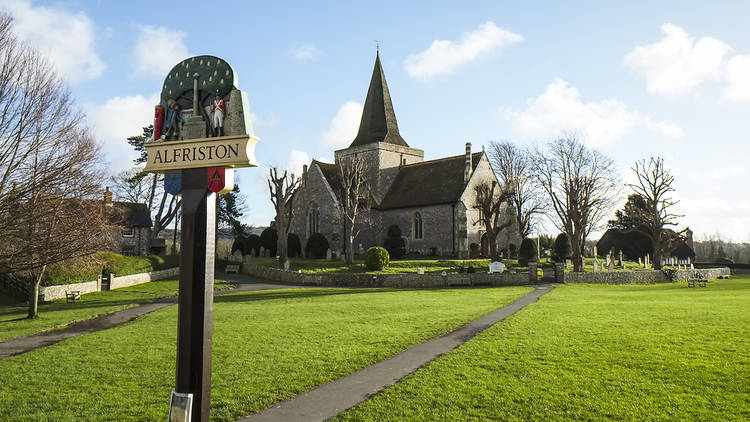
698 280
232 268
72 296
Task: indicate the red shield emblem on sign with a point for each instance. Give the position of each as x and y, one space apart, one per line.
220 179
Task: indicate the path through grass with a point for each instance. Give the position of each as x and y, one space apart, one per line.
268 346
593 352
58 313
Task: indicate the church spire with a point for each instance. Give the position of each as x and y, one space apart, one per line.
378 122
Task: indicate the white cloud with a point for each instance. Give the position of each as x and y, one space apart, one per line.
443 57
296 160
262 125
344 125
116 120
738 79
305 52
157 49
678 63
68 39
560 109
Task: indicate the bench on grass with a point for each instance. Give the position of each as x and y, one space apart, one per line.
698 280
72 296
232 268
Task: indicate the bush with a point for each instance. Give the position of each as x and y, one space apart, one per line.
268 240
562 250
474 250
396 247
527 252
238 245
88 268
376 258
317 246
394 231
252 244
293 245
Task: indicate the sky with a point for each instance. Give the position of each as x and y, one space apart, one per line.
633 79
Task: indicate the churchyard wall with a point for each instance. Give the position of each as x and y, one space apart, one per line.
645 276
58 292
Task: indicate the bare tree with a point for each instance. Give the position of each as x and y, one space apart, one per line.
282 193
582 188
489 200
512 166
654 185
355 198
50 169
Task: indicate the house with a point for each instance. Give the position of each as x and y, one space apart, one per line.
133 226
431 202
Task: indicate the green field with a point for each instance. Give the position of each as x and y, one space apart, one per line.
593 352
268 346
58 313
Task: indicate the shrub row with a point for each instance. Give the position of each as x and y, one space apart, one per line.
88 268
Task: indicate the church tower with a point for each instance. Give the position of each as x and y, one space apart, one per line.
378 141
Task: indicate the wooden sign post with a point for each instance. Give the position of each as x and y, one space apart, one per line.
205 163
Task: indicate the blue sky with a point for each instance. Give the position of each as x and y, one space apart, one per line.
634 79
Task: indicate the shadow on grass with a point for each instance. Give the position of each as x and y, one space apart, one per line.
254 296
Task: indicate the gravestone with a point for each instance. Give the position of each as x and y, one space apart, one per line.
621 263
328 254
420 270
496 267
611 266
596 265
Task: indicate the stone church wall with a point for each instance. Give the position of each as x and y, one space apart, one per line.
317 192
437 228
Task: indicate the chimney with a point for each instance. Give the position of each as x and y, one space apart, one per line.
467 169
107 197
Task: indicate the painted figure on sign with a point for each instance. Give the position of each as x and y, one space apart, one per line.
218 108
172 124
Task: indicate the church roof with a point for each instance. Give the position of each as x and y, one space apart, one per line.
431 182
331 174
378 122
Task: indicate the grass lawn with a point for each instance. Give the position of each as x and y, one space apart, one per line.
593 352
58 313
268 346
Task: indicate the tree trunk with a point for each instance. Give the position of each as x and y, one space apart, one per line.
657 246
492 243
34 295
349 227
281 244
577 255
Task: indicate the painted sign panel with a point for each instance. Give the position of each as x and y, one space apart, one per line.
224 151
173 182
220 179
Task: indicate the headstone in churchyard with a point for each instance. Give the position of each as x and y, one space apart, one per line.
596 265
420 270
342 257
621 263
639 261
496 267
262 251
328 254
603 267
611 266
360 250
596 254
567 264
691 266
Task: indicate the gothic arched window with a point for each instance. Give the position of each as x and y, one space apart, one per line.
313 220
418 233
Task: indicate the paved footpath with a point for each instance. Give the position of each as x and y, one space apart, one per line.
24 344
330 399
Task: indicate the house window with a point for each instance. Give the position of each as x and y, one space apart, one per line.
128 232
418 234
313 221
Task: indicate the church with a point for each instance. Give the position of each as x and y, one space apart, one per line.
431 202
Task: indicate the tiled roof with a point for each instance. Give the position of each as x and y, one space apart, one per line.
431 182
378 122
131 214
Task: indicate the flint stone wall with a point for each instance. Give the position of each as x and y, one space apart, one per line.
643 277
48 293
386 280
